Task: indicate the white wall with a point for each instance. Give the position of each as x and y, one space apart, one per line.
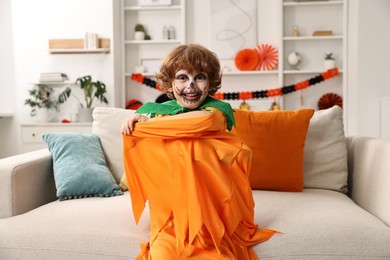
33 24
7 95
369 64
29 25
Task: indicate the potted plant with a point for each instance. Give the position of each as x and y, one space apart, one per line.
329 62
139 33
92 90
43 101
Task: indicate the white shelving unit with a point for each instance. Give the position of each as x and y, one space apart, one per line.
311 16
135 52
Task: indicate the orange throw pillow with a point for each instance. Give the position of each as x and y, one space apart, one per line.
277 140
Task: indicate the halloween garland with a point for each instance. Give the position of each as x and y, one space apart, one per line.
246 95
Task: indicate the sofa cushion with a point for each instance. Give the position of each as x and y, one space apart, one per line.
325 160
79 166
316 224
107 122
277 139
90 228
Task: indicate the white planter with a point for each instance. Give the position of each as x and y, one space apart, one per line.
85 115
329 64
139 36
42 115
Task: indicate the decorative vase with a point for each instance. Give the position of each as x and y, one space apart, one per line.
139 36
329 64
85 115
294 59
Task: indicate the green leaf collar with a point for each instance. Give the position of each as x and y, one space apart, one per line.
172 107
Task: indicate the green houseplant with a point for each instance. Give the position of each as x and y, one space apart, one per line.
44 100
139 32
329 62
92 90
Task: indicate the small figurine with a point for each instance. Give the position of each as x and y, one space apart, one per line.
296 32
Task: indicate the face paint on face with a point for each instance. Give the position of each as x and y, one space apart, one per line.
190 90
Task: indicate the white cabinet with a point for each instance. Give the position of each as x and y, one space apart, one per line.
148 52
32 133
308 17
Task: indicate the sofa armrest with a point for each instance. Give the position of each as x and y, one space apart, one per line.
26 182
369 175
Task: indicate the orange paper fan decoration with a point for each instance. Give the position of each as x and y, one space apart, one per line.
246 59
268 57
329 100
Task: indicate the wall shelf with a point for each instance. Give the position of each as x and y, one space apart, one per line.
52 83
6 115
76 46
152 8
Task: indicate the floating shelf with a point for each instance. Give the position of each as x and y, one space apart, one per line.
152 8
6 115
69 46
53 83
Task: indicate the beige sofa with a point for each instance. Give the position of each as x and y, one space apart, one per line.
322 222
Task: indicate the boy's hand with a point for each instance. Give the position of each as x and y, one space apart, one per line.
128 125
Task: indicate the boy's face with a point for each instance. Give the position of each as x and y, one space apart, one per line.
190 90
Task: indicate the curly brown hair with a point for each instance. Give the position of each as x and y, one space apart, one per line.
193 58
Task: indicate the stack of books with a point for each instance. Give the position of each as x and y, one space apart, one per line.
52 77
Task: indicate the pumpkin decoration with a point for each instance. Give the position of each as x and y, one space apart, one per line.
246 59
329 100
244 106
268 57
133 104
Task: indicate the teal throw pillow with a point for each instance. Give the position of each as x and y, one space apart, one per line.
79 165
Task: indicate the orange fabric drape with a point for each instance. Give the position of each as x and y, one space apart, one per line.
194 175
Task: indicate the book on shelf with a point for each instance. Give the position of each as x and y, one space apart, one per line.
52 77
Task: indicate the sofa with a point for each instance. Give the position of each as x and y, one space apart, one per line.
341 212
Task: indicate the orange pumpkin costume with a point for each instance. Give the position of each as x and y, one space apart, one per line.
194 174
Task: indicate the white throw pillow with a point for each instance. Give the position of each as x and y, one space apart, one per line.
107 122
325 153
